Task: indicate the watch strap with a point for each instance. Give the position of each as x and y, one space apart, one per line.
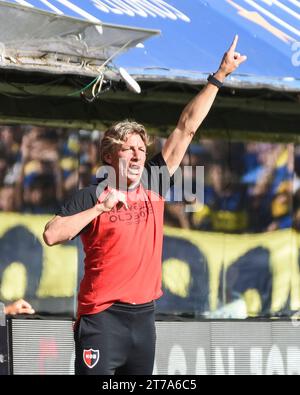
211 78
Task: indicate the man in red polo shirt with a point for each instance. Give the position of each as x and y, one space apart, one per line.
120 222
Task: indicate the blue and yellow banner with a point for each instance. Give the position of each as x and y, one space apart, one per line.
28 268
202 271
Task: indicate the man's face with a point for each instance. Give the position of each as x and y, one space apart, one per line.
128 160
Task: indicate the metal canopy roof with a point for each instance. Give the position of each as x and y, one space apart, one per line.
195 33
42 41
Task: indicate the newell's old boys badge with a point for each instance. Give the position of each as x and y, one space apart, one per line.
91 357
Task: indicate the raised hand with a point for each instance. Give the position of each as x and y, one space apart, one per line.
232 59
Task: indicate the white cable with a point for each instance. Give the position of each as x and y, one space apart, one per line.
115 54
99 82
100 79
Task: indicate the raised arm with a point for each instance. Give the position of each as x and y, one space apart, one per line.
196 111
62 229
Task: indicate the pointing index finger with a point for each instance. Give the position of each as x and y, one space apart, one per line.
234 44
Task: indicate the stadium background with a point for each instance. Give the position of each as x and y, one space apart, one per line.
236 257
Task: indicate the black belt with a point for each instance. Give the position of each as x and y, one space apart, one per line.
134 306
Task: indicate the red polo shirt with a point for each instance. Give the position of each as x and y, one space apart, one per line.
123 248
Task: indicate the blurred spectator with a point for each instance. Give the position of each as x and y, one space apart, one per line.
7 199
39 186
281 207
40 195
86 176
271 190
225 202
3 167
296 188
10 137
175 213
248 186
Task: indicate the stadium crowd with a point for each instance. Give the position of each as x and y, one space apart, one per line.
249 187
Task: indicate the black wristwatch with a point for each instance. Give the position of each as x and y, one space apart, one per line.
211 78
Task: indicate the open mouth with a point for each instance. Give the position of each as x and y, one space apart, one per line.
134 170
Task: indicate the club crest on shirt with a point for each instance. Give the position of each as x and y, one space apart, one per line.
91 357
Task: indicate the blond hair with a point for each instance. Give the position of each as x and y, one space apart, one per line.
118 133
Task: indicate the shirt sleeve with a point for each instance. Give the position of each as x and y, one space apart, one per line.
157 176
82 200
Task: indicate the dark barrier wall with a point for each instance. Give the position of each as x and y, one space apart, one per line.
230 348
4 368
29 269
